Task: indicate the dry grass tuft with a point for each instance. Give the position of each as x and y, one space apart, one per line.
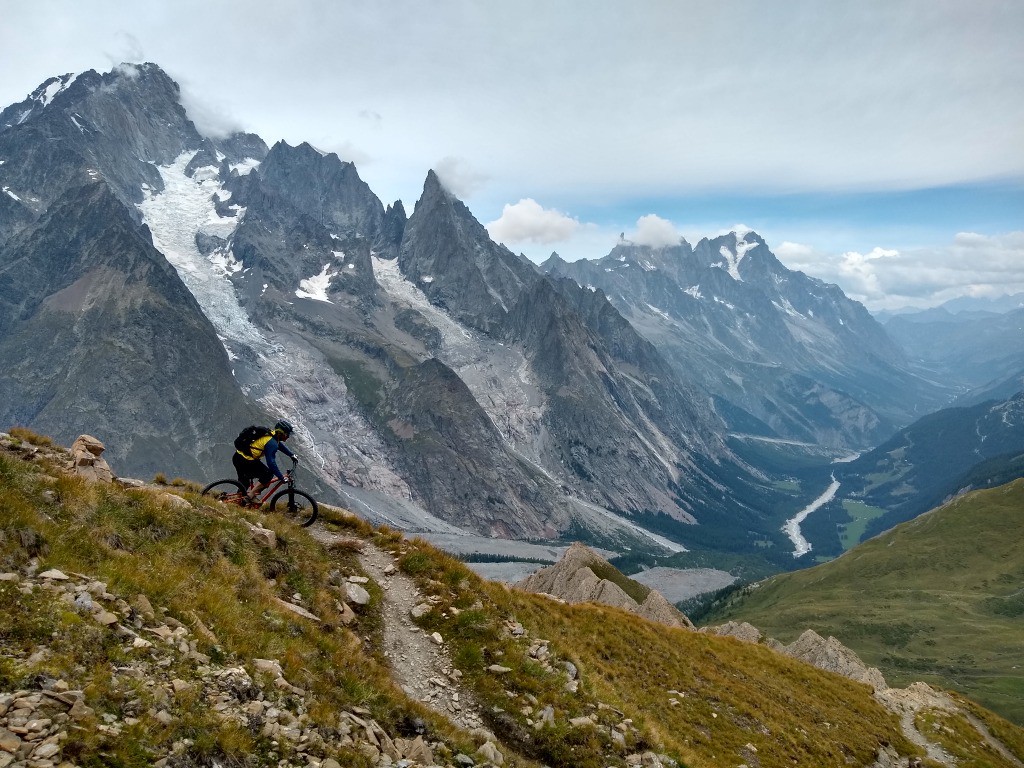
346 546
28 436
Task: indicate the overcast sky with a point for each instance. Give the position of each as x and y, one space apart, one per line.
878 145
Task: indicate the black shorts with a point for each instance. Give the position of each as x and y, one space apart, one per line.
251 469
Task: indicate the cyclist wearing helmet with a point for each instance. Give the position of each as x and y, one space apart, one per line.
248 465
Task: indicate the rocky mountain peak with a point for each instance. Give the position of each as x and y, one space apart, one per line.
451 255
393 229
552 262
432 186
322 186
240 146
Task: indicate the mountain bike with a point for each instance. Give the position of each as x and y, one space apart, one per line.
297 506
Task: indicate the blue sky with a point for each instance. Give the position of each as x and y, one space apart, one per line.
878 145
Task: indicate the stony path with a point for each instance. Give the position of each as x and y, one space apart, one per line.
933 750
419 663
995 743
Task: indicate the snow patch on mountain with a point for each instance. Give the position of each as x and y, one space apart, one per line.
245 167
284 377
46 94
316 287
174 216
660 312
733 258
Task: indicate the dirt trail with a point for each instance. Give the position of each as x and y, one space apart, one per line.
419 663
995 743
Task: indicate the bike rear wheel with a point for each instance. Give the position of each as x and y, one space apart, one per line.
230 491
297 506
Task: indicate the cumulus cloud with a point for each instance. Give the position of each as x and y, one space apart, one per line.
655 231
528 221
459 177
971 265
211 119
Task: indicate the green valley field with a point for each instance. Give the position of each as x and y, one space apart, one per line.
939 599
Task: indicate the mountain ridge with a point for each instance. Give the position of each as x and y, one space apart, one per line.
726 314
329 305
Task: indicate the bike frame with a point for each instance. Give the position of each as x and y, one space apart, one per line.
275 485
299 505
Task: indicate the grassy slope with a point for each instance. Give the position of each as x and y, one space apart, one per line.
202 563
728 695
197 563
939 599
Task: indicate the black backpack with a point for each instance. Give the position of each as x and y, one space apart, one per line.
248 436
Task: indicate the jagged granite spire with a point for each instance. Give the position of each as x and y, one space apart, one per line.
450 255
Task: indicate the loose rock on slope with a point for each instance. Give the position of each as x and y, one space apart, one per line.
420 664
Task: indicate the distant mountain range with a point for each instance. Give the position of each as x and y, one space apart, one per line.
960 305
783 355
162 289
981 352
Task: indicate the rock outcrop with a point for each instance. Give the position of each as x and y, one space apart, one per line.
741 630
573 579
87 461
833 656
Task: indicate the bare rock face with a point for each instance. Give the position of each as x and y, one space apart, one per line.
833 656
741 630
573 579
657 608
86 461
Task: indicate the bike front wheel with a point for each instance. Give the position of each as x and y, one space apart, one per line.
230 491
297 506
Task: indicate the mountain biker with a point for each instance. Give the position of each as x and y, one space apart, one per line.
249 467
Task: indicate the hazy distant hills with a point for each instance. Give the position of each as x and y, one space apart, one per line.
960 305
937 599
979 351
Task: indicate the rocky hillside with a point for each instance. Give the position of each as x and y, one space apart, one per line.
142 625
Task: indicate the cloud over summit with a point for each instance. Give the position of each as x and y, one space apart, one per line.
529 222
656 232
